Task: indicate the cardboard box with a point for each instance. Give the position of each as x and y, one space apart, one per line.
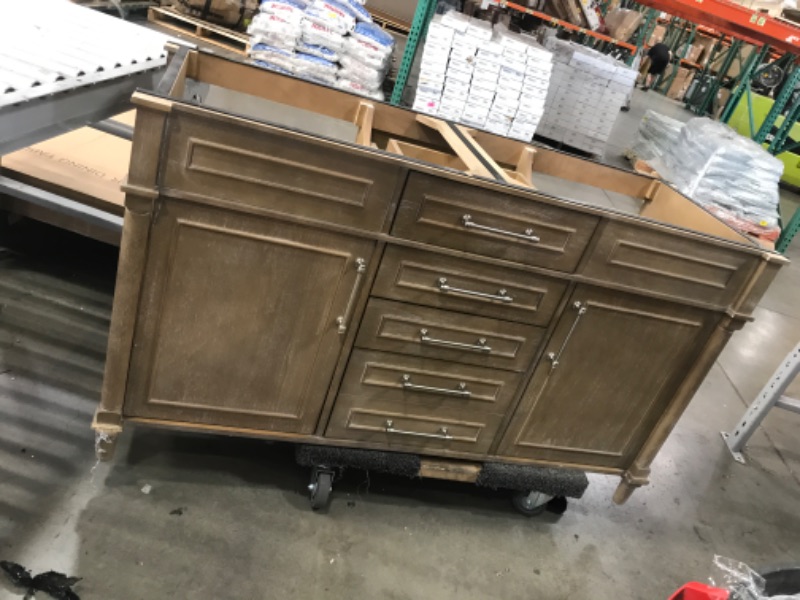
438 31
86 165
706 45
486 82
459 76
455 88
455 20
680 84
735 69
432 69
657 36
465 42
480 97
694 52
489 68
426 104
622 23
480 30
722 99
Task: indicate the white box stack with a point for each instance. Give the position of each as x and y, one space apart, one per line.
587 91
494 79
433 67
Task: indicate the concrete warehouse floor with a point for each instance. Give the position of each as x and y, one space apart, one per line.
229 518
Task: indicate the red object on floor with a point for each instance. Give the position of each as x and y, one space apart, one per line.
699 591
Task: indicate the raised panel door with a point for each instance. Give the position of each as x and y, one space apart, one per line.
242 319
609 372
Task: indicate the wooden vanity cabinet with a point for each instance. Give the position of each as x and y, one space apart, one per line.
415 287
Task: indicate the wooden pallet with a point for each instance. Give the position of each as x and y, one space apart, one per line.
390 23
640 165
556 145
202 30
127 6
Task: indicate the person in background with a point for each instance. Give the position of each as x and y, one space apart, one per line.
660 55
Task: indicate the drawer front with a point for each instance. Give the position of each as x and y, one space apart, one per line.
524 230
669 264
440 334
278 171
463 285
404 402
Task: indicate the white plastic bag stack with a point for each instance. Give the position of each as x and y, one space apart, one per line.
365 59
729 174
656 133
327 41
278 24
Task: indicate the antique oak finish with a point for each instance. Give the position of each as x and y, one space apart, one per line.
408 288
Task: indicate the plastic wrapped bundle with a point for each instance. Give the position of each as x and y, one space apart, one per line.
318 35
367 51
279 57
729 174
374 38
366 56
359 12
274 30
316 50
272 67
656 133
348 85
314 68
333 15
355 70
288 9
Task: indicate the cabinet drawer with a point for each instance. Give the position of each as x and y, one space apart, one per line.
669 264
455 215
278 171
434 333
463 285
416 403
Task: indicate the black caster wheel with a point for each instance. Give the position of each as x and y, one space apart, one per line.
530 504
320 488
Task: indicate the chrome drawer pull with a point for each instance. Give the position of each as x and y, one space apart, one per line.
442 435
501 295
527 236
555 358
361 267
479 347
461 391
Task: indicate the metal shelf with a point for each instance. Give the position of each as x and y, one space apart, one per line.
735 20
567 25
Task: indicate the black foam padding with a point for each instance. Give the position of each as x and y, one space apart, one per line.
396 463
554 482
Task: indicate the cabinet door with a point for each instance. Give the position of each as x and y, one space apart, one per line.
239 319
610 370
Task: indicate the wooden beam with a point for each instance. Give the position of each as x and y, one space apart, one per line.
525 165
487 158
459 146
451 470
365 113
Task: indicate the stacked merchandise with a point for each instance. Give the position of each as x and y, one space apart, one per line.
587 91
231 13
655 135
326 41
732 176
482 77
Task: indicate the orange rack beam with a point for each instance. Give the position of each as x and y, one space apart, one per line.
734 19
570 26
